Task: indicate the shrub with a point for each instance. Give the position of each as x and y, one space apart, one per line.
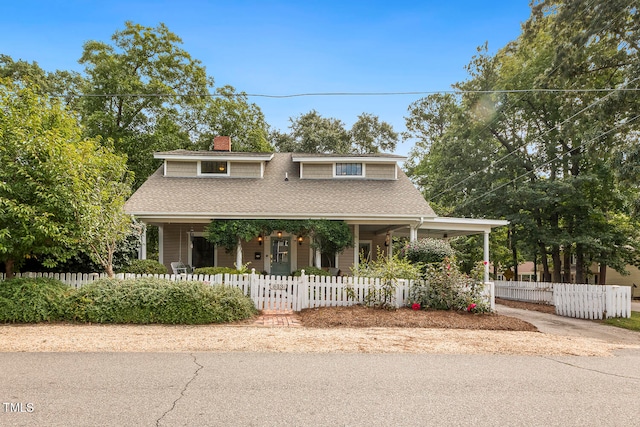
212 271
150 300
33 300
427 251
144 266
388 270
311 271
447 288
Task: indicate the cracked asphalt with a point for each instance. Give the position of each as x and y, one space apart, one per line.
290 389
270 389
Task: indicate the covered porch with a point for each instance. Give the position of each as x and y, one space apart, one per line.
283 253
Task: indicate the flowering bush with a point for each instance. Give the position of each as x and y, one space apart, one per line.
388 270
427 251
447 288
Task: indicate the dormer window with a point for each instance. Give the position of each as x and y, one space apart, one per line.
211 168
348 169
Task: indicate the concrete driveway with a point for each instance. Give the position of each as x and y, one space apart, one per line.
559 325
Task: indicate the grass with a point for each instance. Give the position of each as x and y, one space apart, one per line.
632 323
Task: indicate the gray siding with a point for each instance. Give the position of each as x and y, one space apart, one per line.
317 171
181 169
244 170
381 171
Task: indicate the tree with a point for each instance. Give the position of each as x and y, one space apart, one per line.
63 84
370 135
552 163
312 133
105 183
144 92
231 114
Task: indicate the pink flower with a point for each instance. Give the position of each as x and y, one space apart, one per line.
415 306
471 307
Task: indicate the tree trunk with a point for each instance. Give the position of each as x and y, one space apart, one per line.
109 270
566 275
8 269
602 276
557 264
546 274
580 276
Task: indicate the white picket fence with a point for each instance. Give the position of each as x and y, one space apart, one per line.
592 301
277 292
571 300
538 292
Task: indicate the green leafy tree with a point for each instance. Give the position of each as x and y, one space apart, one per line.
312 133
37 203
558 159
63 84
143 94
230 114
105 184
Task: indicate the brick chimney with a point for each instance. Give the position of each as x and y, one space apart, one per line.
222 143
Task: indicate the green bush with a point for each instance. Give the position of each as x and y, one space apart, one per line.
388 270
311 271
144 266
33 300
150 300
447 288
212 271
427 251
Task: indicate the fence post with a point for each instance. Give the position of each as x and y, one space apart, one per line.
303 291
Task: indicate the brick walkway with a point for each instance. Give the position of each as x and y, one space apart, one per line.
278 319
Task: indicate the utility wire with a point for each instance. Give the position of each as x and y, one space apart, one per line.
311 94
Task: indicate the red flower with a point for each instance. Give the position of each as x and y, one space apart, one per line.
415 306
471 307
485 263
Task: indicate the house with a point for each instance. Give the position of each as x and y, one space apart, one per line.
369 192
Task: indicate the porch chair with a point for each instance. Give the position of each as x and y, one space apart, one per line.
178 267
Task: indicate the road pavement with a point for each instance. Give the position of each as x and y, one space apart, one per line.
267 389
271 389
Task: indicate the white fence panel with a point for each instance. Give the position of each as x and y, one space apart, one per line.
538 292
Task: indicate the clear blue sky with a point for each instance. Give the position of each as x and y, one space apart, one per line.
287 47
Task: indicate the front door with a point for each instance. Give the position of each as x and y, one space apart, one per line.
202 252
280 256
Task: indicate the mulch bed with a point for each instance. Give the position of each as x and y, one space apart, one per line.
364 317
543 308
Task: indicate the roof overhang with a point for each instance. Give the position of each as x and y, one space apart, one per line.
239 157
349 159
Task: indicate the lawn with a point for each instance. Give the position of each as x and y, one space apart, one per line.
632 323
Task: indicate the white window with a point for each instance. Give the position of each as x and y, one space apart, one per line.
348 169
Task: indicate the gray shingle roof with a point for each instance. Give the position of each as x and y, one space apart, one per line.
272 196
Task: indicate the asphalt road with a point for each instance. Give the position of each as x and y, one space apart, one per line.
266 389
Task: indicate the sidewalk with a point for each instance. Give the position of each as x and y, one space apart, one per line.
278 319
567 326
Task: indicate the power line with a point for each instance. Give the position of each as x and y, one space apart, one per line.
317 94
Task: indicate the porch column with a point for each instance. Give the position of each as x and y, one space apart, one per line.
486 256
239 255
142 250
161 244
356 245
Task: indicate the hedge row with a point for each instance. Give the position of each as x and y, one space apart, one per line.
141 301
